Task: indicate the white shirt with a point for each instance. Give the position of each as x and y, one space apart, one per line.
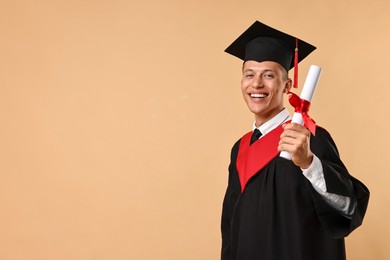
315 172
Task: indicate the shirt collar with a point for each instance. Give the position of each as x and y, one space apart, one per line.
274 122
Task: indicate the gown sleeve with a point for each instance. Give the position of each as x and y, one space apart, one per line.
338 181
231 196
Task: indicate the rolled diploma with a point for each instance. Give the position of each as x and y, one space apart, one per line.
307 94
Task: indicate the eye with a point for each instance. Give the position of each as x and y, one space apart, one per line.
268 75
248 75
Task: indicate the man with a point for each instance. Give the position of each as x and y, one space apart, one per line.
274 208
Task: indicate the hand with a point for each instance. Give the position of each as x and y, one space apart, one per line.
295 139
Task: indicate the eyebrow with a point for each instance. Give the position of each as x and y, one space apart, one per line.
263 71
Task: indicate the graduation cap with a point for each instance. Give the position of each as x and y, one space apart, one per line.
263 43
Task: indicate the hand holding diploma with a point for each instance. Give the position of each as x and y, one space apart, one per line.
301 106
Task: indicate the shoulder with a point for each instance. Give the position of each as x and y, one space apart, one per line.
235 148
322 144
321 131
236 145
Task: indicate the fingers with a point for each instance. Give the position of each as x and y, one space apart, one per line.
296 128
294 134
295 139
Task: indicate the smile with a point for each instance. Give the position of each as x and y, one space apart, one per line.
258 95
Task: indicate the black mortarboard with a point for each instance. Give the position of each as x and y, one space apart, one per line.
263 43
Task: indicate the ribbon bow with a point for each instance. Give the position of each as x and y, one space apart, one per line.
302 106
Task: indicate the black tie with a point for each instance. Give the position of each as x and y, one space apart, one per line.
255 135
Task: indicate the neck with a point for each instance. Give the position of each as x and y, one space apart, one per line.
260 120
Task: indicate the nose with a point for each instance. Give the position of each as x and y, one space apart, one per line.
257 82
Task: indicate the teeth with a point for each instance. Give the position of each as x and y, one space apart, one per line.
258 95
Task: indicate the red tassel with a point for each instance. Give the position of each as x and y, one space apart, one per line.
295 85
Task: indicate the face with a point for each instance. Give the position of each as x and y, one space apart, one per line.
263 87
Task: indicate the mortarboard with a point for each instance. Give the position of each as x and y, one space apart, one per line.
263 43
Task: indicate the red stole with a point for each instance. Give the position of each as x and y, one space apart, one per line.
252 158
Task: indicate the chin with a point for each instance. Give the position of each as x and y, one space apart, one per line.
258 113
256 110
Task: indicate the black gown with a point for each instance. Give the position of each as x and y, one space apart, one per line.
280 216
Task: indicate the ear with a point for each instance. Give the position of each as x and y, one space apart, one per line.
287 86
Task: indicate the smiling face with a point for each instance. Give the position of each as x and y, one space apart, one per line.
263 87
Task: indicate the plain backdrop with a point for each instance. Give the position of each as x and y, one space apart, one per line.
117 118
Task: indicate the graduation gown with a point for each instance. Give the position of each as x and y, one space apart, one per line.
279 215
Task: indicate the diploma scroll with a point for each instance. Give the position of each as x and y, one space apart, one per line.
307 94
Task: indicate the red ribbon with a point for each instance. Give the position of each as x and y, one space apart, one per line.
302 106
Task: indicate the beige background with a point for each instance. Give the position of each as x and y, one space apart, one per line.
117 118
